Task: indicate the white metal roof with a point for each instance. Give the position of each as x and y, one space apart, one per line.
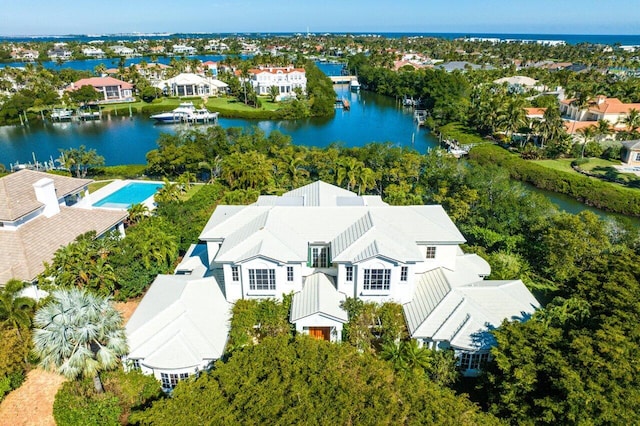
283 231
318 296
464 314
179 323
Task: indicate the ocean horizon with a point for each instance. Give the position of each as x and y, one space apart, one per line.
573 39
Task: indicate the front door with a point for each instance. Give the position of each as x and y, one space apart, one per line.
320 333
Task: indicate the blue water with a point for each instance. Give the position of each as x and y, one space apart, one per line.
132 193
610 39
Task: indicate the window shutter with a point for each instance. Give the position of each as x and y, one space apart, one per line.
309 256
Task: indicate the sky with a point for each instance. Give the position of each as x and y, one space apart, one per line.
58 17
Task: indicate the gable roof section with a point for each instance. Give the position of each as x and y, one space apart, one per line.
318 296
464 315
282 231
25 249
18 198
632 145
101 82
173 327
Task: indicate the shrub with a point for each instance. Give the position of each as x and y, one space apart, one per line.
77 403
593 192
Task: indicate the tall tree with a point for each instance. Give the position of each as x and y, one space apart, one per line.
79 334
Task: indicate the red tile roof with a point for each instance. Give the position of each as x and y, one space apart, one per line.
102 82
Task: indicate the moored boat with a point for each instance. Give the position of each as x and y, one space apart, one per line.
61 114
186 112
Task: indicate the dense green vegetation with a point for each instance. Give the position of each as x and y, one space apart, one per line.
293 381
588 190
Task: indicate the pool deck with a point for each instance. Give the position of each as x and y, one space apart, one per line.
88 201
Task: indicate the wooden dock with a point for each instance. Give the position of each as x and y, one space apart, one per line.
343 79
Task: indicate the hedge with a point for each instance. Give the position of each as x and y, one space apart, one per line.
593 192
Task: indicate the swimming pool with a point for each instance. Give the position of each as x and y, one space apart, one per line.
130 194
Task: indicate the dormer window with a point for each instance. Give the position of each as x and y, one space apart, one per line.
431 252
319 256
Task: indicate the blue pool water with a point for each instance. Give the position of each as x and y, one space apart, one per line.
125 197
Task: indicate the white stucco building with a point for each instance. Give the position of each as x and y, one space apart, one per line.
285 78
324 244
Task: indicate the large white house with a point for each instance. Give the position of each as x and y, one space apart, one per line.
284 78
324 244
189 84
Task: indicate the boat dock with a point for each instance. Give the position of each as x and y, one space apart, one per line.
343 103
420 116
343 79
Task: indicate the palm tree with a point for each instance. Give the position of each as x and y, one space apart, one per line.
79 334
632 121
603 129
136 213
15 310
587 134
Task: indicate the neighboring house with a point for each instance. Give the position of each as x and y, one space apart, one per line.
24 54
189 84
153 71
92 51
61 54
122 50
324 244
520 83
112 89
631 152
599 108
535 113
36 219
181 49
212 67
284 78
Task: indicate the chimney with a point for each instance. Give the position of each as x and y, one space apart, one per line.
46 194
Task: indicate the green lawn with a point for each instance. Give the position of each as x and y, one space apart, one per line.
596 166
224 103
562 164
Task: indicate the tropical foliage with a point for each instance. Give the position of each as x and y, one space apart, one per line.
79 334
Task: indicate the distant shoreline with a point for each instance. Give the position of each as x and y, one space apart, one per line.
609 39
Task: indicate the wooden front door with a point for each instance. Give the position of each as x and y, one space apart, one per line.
320 333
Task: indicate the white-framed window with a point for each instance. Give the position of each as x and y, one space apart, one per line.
431 252
135 364
349 273
235 273
289 273
377 279
404 272
637 156
262 279
472 361
170 380
319 256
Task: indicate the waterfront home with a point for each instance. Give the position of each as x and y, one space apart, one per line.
153 71
631 153
324 244
599 108
111 89
520 83
59 54
284 78
121 50
92 51
181 49
189 84
20 54
37 217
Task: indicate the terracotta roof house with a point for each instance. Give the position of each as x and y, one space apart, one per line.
112 89
631 152
37 217
324 244
284 78
599 108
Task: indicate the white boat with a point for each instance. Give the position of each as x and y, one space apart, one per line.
60 114
187 113
354 85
